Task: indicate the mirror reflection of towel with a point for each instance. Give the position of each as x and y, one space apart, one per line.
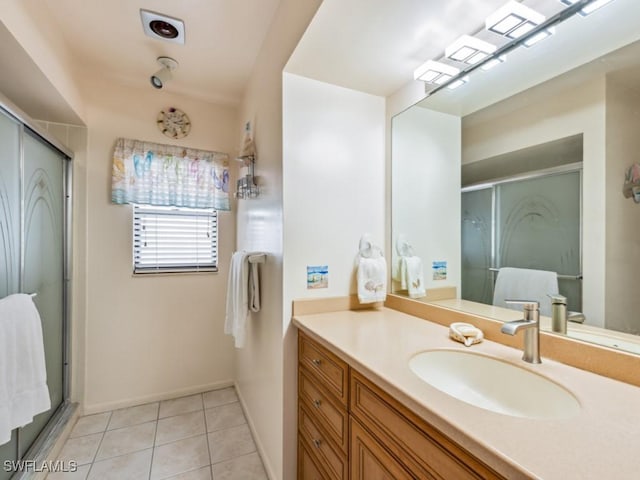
411 276
525 284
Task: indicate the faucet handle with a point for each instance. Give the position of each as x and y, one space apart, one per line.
557 298
526 304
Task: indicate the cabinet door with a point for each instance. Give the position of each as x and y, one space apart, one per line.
369 460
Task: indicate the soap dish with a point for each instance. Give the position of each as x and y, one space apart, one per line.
465 333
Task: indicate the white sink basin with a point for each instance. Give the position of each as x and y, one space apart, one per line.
492 384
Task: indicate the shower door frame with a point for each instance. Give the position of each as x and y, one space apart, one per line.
47 437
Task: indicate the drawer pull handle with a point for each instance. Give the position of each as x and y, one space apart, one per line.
317 443
316 361
317 403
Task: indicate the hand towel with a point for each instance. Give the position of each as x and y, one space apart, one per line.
254 288
525 284
412 276
243 295
372 273
23 374
237 298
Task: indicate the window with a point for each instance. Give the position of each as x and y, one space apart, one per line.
171 239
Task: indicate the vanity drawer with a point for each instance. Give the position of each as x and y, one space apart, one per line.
332 372
424 451
329 415
332 459
307 468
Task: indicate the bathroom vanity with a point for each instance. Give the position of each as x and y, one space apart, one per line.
348 424
362 412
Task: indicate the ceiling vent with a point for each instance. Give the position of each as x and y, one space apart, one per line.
162 27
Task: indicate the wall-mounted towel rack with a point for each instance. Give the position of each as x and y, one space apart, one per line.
560 277
258 258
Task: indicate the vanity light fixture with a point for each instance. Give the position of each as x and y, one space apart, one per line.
591 7
435 72
513 20
469 50
541 35
493 62
458 83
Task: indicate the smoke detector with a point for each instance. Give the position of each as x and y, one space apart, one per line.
162 27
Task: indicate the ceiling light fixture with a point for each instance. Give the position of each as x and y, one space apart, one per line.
162 27
513 20
469 50
590 8
163 75
435 72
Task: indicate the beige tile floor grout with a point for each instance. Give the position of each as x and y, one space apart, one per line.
197 437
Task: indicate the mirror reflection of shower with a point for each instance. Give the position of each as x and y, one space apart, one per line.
529 219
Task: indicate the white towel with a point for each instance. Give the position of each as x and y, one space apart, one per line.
372 272
411 276
243 296
23 374
525 284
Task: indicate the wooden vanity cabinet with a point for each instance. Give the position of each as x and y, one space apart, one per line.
348 427
323 417
423 450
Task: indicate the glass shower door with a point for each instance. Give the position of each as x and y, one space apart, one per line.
538 226
477 279
533 223
9 235
43 264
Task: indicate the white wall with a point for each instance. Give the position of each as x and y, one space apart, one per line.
426 189
148 337
334 184
623 228
580 109
30 24
259 366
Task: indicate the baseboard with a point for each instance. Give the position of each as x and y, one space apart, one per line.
261 451
156 397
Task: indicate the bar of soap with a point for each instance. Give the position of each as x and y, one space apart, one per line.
465 333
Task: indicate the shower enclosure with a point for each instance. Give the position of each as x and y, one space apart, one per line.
35 209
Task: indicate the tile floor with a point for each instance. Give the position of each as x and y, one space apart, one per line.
199 437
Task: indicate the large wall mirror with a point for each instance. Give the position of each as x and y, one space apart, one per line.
524 166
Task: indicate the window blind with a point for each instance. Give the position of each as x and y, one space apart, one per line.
170 239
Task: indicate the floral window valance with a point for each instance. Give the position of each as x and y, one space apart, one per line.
168 175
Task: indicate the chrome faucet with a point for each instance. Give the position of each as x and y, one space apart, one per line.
531 326
558 313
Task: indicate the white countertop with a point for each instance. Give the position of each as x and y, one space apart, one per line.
601 442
